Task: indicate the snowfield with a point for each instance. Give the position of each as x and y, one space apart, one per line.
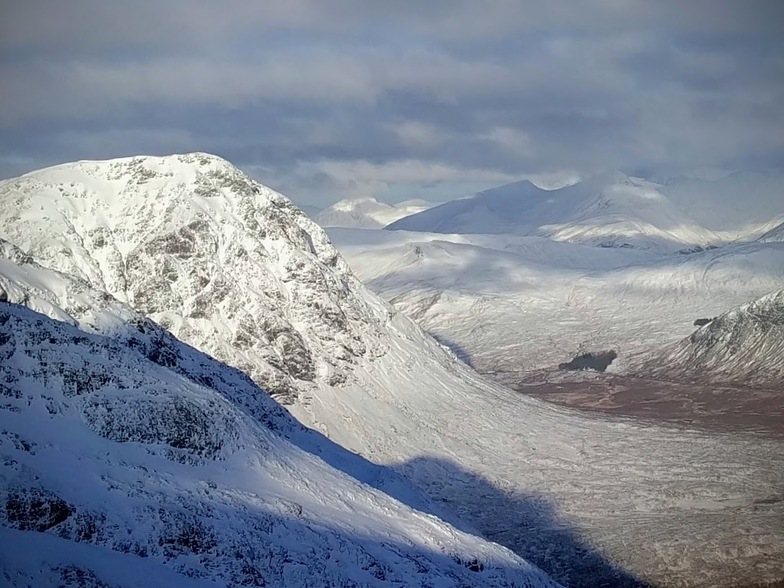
512 306
235 270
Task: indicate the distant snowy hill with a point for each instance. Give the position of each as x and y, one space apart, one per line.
513 305
612 210
740 205
743 346
236 270
368 213
776 234
131 459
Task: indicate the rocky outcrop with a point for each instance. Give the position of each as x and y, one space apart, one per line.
223 262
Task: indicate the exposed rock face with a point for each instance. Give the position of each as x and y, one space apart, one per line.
743 346
130 458
223 262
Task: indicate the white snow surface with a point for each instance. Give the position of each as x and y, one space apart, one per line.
743 346
224 263
368 213
775 235
513 305
615 210
131 459
582 496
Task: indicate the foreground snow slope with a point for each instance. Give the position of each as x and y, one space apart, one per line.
743 346
187 473
512 305
576 495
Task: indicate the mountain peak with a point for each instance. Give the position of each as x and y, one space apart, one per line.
222 261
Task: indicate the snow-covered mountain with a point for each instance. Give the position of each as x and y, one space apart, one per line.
609 210
743 346
368 213
739 205
226 264
614 210
216 257
131 459
514 305
776 234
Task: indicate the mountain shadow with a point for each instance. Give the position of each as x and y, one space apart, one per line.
460 351
525 523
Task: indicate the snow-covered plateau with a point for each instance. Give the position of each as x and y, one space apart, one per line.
236 271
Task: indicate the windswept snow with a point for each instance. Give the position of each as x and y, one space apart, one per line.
131 459
368 213
775 235
590 500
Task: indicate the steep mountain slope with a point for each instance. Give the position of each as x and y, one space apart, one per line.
367 213
224 263
565 491
743 346
609 210
188 474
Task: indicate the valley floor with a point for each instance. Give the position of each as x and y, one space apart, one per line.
708 407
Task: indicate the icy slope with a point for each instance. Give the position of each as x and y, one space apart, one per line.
744 345
368 213
223 262
609 210
566 491
188 474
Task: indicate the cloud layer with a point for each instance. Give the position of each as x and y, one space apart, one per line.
407 99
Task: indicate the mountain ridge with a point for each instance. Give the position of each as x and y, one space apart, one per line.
571 500
189 474
613 210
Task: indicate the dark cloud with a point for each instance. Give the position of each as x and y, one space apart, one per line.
347 97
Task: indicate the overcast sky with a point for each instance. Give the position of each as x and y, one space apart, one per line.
325 99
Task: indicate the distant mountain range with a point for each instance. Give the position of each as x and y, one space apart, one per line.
368 213
615 210
129 452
